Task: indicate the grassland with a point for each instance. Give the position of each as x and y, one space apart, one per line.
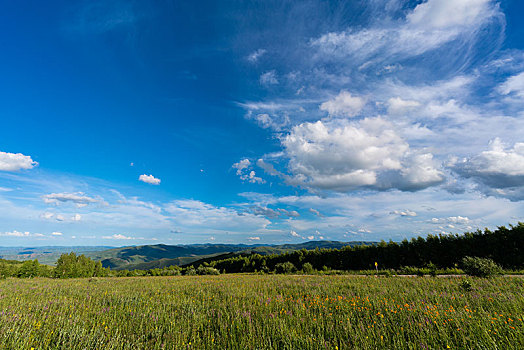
262 312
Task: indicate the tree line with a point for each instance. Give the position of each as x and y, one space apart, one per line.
504 246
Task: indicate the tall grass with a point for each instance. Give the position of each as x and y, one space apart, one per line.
261 312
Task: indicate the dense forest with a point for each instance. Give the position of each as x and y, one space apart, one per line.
504 245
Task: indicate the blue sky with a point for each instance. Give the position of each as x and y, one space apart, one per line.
127 123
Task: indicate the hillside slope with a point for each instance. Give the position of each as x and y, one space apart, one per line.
162 255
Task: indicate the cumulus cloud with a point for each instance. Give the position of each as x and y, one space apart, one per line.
269 78
149 179
406 212
245 174
343 105
289 213
499 159
256 238
294 234
79 198
15 162
243 164
341 156
274 213
500 169
76 217
56 233
457 220
265 211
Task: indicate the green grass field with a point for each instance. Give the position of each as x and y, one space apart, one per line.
262 312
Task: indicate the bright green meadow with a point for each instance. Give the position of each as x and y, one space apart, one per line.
262 312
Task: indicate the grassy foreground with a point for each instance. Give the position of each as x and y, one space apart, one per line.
262 312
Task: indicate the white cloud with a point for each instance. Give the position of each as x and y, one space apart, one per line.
267 121
459 219
310 237
339 155
79 198
149 179
499 159
499 171
265 211
47 215
420 171
269 78
15 234
294 234
514 84
316 212
290 213
449 14
59 217
254 238
343 105
56 233
273 213
195 215
15 162
406 212
428 26
398 106
243 164
254 56
118 236
249 176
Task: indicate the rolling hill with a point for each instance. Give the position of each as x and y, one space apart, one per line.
158 256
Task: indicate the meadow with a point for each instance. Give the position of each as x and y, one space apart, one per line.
262 312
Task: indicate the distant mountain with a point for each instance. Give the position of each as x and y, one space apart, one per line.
47 255
127 257
158 256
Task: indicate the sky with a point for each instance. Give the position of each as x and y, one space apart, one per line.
178 122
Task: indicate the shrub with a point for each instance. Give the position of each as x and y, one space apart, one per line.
480 267
308 269
190 271
432 269
386 273
466 285
207 270
285 267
